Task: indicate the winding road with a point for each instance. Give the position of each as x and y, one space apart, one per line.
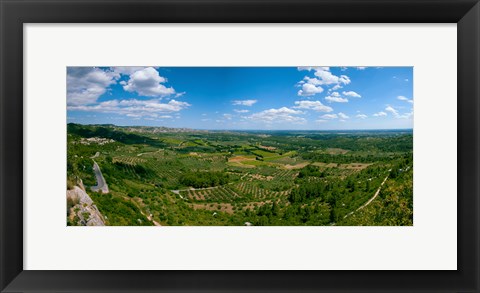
101 183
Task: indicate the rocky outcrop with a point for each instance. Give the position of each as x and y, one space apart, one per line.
81 210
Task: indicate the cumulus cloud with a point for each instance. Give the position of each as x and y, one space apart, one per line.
322 77
402 98
312 105
351 94
148 82
392 110
327 78
240 111
335 87
313 81
134 108
309 68
361 116
396 114
335 97
342 116
244 102
86 84
380 114
329 116
228 116
309 89
283 114
127 70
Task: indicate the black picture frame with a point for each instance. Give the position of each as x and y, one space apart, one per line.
466 13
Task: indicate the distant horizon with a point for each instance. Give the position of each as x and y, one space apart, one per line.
243 98
218 129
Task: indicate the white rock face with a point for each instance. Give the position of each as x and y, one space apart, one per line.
83 212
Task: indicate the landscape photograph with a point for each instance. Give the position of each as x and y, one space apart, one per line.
239 146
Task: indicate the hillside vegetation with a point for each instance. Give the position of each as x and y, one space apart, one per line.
170 176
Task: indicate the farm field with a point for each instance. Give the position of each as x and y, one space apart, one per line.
168 176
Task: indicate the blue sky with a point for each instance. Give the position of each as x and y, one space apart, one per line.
261 98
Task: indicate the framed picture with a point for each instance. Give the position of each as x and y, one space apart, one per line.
239 146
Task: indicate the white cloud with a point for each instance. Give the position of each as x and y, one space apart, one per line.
340 116
392 110
361 116
336 98
244 102
402 98
323 77
326 77
133 107
147 82
312 105
309 89
313 81
321 120
351 94
241 111
380 114
228 116
396 114
283 114
361 68
126 70
309 68
334 88
86 84
329 116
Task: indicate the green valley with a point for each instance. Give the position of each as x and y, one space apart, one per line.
177 176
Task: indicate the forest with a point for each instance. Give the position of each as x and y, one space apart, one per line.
176 177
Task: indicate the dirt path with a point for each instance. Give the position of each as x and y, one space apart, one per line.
149 217
177 191
141 154
370 200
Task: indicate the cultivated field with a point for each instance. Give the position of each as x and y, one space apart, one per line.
238 178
